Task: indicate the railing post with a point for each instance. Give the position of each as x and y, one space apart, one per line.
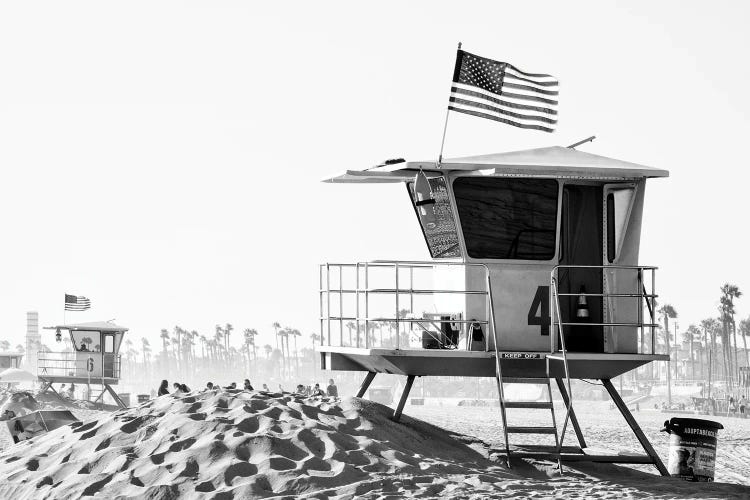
640 292
356 295
398 340
653 311
367 298
341 302
328 302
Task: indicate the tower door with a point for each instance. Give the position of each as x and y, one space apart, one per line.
108 355
581 244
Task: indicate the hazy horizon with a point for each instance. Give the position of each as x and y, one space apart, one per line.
164 159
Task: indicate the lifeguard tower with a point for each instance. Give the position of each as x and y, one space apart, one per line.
93 360
9 359
534 277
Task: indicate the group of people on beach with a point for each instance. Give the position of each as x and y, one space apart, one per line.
302 390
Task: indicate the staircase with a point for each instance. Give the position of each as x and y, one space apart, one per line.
540 452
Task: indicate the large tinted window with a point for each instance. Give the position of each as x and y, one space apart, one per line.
507 218
440 233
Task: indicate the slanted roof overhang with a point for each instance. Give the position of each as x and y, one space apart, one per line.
555 161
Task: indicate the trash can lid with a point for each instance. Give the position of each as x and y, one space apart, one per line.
678 422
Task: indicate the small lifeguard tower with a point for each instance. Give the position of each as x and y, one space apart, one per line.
93 360
534 277
9 359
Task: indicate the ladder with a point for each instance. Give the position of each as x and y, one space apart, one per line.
506 404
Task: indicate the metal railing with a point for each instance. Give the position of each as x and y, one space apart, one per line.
641 294
66 364
334 290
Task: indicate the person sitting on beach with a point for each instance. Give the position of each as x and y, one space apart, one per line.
184 388
265 388
248 386
71 391
300 390
332 390
210 386
177 388
163 388
317 391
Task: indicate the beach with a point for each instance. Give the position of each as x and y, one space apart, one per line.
236 444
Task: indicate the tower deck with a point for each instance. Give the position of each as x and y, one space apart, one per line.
460 363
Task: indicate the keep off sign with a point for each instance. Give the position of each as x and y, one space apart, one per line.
520 355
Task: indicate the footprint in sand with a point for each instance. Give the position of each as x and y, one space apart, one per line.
32 464
191 468
239 469
281 463
249 425
104 444
182 445
85 427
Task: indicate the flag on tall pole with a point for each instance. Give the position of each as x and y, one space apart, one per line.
501 92
76 303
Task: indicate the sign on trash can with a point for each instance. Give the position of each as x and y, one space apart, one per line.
692 448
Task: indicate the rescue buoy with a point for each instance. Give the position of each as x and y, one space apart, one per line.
582 307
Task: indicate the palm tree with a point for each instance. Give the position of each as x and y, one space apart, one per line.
164 341
296 333
276 327
745 331
218 336
227 332
729 292
145 349
691 334
268 349
248 336
667 311
4 345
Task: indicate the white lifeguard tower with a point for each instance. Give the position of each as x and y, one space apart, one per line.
534 277
93 360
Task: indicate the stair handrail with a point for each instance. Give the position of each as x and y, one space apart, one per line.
564 351
498 369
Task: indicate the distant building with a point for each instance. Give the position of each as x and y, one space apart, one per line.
33 340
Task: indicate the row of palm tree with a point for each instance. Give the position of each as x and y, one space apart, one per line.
713 344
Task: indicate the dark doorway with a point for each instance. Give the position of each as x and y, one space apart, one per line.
581 244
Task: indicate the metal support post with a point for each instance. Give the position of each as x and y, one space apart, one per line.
365 384
573 418
404 396
635 427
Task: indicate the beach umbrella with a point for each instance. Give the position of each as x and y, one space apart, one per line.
17 375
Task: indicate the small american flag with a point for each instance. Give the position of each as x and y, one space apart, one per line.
76 303
499 91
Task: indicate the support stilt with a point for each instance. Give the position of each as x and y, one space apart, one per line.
404 396
635 427
365 384
114 395
573 418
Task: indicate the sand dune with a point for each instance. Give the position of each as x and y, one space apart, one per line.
235 444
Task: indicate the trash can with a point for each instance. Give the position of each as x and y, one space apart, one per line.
692 448
142 398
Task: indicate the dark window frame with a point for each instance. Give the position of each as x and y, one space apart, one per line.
553 249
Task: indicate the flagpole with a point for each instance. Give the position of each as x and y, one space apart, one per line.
445 128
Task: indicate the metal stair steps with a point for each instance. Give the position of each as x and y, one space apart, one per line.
531 430
517 380
541 405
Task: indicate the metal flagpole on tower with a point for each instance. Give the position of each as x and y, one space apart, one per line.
445 127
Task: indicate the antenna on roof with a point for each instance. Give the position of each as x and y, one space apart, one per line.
588 139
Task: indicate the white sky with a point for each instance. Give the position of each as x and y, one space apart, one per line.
163 158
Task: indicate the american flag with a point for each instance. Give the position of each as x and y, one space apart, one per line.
76 303
499 91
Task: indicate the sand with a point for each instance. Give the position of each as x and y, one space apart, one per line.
236 444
